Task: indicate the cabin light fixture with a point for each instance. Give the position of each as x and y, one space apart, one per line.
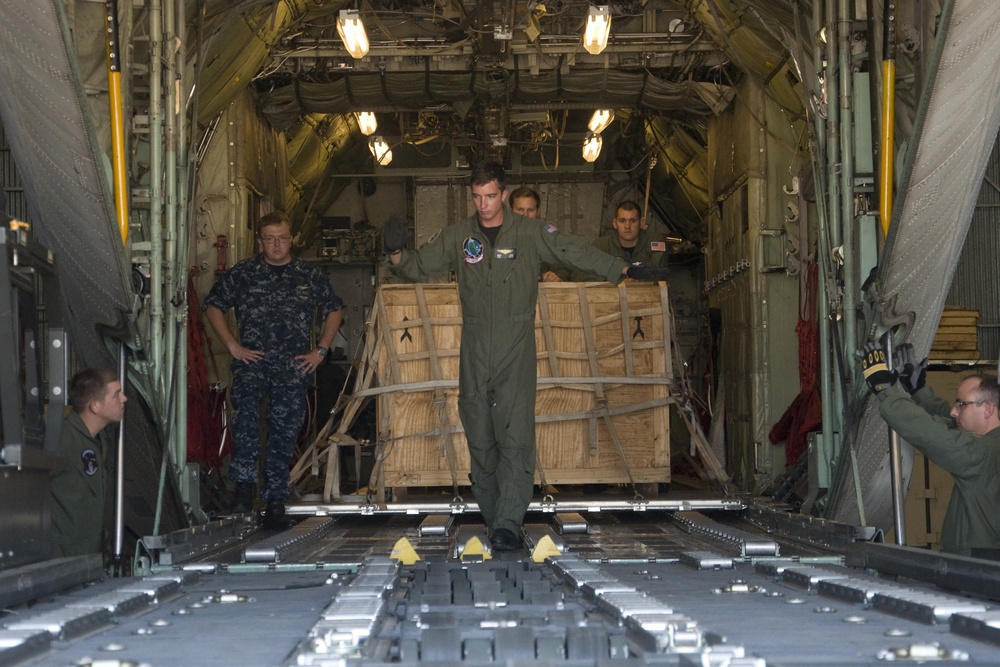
595 36
367 122
352 31
600 120
380 149
592 146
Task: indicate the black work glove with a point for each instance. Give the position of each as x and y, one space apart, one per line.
647 273
912 374
395 233
875 369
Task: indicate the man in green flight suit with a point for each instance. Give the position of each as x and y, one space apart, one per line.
78 490
496 256
962 437
630 242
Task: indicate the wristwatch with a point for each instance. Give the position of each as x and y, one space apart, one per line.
322 351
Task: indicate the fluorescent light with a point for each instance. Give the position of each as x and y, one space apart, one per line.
600 120
595 37
352 31
380 149
592 146
367 122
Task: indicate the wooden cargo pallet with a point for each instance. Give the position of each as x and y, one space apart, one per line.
605 366
957 336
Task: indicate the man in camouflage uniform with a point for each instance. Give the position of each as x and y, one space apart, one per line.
630 242
496 256
275 296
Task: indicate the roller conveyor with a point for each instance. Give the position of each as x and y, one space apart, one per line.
636 589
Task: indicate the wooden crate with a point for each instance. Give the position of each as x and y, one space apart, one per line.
597 344
957 336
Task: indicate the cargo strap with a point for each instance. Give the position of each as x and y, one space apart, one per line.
600 399
547 498
440 399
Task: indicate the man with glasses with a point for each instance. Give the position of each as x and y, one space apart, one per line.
630 242
275 296
962 437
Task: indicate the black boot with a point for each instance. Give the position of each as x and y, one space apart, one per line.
503 539
242 498
274 515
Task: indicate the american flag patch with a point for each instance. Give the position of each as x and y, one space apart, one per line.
658 246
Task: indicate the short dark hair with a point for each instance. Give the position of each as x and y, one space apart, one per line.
523 192
988 389
628 205
272 218
89 384
487 171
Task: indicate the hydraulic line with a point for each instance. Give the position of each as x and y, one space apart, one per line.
851 290
887 140
117 122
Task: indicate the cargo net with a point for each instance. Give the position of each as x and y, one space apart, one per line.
607 376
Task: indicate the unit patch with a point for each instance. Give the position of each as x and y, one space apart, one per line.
473 249
505 253
90 464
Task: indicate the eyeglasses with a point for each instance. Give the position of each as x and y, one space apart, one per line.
962 404
276 239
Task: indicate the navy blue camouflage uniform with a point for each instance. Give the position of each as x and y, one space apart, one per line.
274 314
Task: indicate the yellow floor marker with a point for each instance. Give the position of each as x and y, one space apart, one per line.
474 549
404 552
545 548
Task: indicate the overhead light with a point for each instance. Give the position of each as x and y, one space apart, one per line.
600 120
380 149
367 122
352 31
595 36
592 146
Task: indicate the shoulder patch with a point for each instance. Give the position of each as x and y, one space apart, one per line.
551 229
658 246
90 462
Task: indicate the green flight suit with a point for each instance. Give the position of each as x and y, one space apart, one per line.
648 251
972 519
77 491
498 287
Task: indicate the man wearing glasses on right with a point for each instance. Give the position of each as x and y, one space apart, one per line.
962 437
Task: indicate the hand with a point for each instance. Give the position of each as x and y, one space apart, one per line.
395 234
912 375
247 356
875 369
647 273
550 277
308 362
